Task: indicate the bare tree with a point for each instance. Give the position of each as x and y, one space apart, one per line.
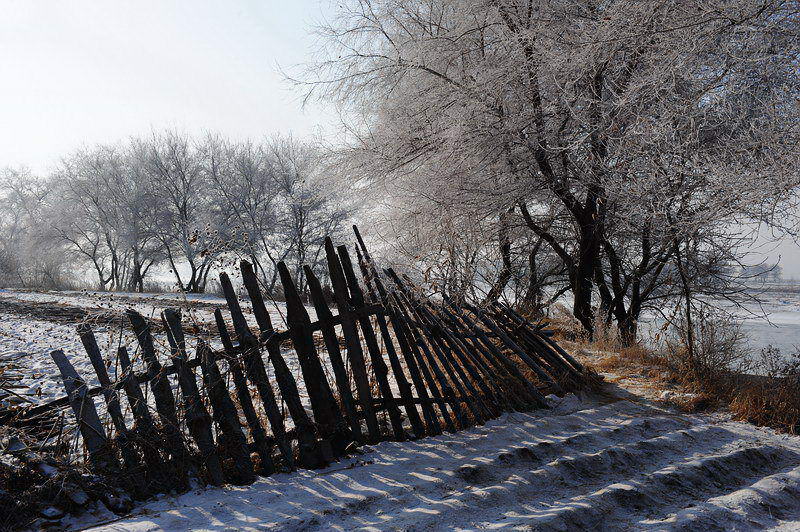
591 122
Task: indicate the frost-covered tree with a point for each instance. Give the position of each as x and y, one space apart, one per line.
615 132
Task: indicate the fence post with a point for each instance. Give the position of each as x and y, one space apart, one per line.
355 353
325 318
129 458
162 395
376 357
327 416
254 366
403 385
89 425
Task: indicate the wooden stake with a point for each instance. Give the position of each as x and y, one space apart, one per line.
226 416
376 357
355 353
197 418
263 447
327 416
325 318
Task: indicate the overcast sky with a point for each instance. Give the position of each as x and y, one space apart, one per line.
89 71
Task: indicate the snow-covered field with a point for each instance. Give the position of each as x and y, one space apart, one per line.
584 465
28 334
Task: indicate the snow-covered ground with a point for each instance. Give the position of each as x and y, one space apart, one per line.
611 462
584 465
26 338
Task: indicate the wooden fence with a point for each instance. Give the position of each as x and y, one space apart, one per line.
449 367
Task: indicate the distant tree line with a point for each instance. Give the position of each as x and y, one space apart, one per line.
111 215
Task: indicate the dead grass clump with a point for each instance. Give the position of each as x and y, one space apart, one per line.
771 399
562 323
699 402
721 373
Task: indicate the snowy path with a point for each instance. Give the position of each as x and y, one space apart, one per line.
621 465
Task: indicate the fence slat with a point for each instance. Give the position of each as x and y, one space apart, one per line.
197 418
325 318
309 452
145 432
409 346
446 389
226 416
129 458
511 344
554 363
499 358
505 384
327 415
406 393
260 311
406 349
379 367
460 357
89 425
355 354
162 395
262 446
464 387
577 366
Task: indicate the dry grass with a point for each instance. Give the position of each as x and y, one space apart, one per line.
720 374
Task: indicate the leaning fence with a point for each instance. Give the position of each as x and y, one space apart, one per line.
403 365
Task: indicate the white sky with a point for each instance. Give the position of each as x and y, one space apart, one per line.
89 71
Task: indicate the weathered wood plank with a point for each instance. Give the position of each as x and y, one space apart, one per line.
410 347
379 367
145 433
379 294
260 311
500 359
446 389
255 370
89 425
355 353
226 417
162 395
397 369
129 457
327 415
198 420
511 344
501 380
310 455
325 318
262 446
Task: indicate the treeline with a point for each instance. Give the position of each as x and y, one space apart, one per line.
113 215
